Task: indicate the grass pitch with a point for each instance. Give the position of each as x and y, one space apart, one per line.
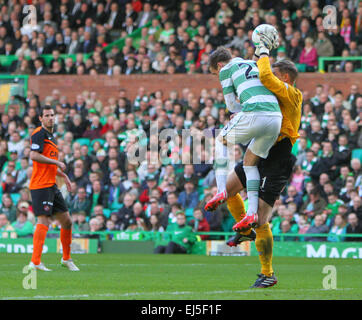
172 277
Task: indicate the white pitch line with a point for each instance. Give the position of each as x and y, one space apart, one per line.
130 294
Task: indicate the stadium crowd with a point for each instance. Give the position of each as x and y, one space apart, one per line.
176 36
109 192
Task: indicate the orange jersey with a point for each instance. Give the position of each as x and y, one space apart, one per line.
43 175
290 100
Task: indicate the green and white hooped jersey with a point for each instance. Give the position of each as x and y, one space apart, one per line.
240 78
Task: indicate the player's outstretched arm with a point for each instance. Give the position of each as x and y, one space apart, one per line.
268 79
256 55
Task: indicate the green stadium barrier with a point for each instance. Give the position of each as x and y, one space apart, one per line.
321 61
109 246
6 61
145 241
10 86
51 245
315 249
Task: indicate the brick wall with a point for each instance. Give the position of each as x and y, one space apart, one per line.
108 87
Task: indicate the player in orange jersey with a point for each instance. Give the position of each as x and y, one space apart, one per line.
47 200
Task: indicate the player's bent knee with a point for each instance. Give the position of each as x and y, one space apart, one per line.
43 220
250 159
233 184
264 212
64 219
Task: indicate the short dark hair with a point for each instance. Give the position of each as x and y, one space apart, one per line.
287 66
46 107
221 54
315 192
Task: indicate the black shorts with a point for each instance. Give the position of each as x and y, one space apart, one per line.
48 201
275 171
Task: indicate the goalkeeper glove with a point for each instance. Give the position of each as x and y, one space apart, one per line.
257 52
265 45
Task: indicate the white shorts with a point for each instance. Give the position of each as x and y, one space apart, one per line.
260 129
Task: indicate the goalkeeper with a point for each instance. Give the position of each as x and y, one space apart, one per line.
276 169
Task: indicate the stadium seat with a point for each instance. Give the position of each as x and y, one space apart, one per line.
115 206
15 197
200 187
357 154
107 213
301 67
102 142
189 212
83 141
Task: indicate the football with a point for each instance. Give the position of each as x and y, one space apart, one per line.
267 30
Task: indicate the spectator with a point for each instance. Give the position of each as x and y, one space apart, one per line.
151 181
314 205
182 237
23 206
318 228
98 195
303 225
125 214
79 221
189 198
7 207
110 226
115 191
199 223
80 202
94 226
294 50
309 55
6 230
285 230
155 224
287 215
214 218
188 174
22 226
293 196
354 226
338 229
39 67
324 46
145 16
333 205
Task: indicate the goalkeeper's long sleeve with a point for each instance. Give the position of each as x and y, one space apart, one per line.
289 97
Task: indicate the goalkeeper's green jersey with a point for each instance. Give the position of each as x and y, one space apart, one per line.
240 78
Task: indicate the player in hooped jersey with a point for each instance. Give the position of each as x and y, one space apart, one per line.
257 123
48 201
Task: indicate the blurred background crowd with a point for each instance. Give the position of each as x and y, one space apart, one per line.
170 36
109 192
